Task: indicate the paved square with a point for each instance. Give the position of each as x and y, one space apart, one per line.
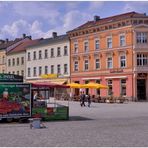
99 125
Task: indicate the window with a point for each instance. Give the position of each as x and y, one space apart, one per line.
3 71
122 40
13 62
65 68
86 49
52 52
142 60
97 63
40 54
109 62
110 87
58 52
40 70
109 42
76 64
17 61
29 58
46 69
122 61
86 64
34 71
52 69
34 55
97 44
141 37
65 51
9 62
46 54
58 69
22 72
13 72
29 74
3 60
123 87
22 60
75 47
17 72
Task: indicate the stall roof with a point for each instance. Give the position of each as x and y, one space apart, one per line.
49 85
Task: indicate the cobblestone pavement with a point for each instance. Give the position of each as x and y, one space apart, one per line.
100 125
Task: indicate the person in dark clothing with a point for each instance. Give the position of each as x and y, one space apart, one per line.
82 99
89 100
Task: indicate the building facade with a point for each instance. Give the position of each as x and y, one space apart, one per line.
112 51
50 56
16 58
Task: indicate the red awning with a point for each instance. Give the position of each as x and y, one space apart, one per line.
49 85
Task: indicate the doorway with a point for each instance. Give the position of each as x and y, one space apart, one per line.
141 89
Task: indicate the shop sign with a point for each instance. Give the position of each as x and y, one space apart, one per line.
10 78
116 70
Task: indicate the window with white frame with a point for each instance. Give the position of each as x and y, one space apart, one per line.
76 65
22 60
34 72
109 62
46 69
58 52
75 47
86 48
46 54
65 68
109 42
122 61
34 55
123 87
17 61
86 64
40 54
97 63
110 87
29 72
65 51
13 62
97 44
9 62
142 59
122 40
22 72
141 37
52 52
52 69
29 58
58 69
40 70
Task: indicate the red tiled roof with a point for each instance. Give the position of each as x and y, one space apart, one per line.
110 19
22 46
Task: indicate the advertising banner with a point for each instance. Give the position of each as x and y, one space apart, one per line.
15 100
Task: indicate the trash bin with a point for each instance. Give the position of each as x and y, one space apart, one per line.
35 122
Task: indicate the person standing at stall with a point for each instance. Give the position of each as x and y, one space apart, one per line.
82 99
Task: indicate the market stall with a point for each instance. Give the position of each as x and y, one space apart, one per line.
44 101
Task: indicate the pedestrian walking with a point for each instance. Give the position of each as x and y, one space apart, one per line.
82 99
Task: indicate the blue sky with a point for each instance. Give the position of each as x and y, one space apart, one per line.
40 19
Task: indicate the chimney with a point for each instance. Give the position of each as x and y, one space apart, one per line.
7 40
54 34
144 14
29 37
24 35
96 18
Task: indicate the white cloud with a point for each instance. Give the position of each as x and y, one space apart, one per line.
95 5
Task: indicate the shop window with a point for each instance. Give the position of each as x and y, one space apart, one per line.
110 87
123 87
98 90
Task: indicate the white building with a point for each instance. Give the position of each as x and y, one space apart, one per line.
16 58
49 56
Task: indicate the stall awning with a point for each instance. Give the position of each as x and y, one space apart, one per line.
59 81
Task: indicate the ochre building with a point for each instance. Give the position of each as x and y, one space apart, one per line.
112 51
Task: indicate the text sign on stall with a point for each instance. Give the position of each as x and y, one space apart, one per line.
10 78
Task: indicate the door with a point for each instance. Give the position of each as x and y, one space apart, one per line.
141 89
